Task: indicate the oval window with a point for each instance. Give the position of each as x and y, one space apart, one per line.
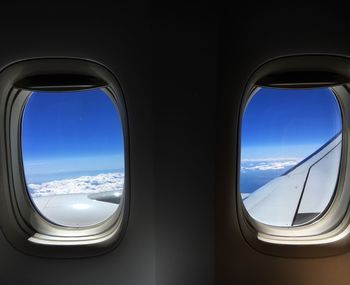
291 143
73 156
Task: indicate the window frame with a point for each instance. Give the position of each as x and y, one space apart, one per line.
22 224
330 233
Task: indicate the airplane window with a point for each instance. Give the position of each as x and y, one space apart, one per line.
291 142
73 156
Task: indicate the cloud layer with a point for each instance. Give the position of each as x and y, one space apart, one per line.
84 184
267 164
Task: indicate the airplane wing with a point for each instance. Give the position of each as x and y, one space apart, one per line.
302 193
87 209
113 197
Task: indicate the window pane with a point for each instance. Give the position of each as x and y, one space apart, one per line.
290 154
73 156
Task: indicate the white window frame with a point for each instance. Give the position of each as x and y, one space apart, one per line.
330 233
24 227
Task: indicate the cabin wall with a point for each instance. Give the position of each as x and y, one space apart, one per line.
185 81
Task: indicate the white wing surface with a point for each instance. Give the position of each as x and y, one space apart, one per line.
302 193
78 210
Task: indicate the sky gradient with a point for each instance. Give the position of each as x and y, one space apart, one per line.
286 123
67 132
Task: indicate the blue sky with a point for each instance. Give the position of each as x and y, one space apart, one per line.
287 123
71 132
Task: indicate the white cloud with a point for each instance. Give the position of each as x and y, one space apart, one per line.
84 184
267 164
265 159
